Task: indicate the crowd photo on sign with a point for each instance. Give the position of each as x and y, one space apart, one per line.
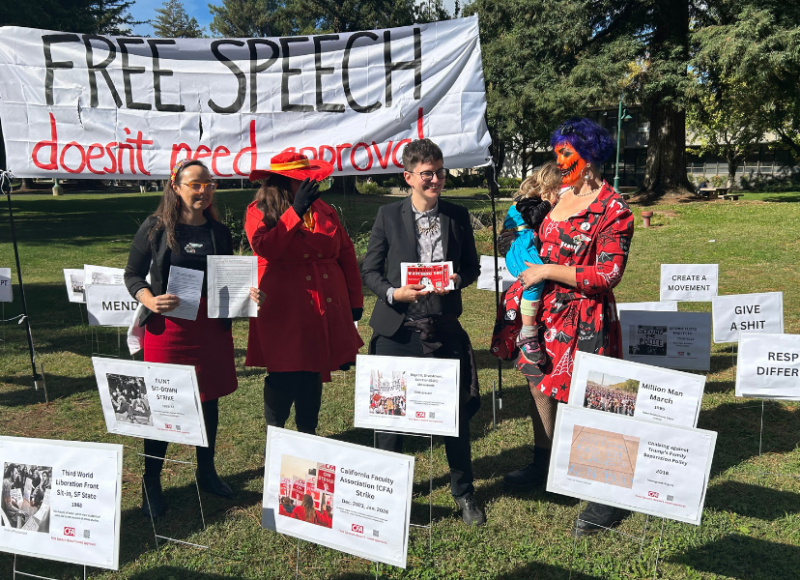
416 273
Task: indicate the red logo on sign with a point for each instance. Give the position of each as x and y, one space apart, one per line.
420 414
357 529
652 494
69 532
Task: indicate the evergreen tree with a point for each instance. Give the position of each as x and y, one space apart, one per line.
259 18
82 16
173 22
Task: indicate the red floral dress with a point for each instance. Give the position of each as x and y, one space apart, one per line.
596 241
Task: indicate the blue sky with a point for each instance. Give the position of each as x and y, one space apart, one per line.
146 10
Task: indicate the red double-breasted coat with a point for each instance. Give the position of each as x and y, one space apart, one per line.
312 282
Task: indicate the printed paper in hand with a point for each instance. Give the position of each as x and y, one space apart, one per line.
486 280
752 312
654 469
666 306
151 400
109 305
676 340
689 282
75 288
61 500
229 281
432 275
186 284
768 366
103 275
635 390
347 497
6 293
410 395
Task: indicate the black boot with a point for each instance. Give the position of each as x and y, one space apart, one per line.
209 481
152 499
596 518
532 475
471 512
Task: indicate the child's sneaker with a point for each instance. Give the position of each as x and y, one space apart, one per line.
530 356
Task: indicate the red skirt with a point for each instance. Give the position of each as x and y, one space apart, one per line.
205 343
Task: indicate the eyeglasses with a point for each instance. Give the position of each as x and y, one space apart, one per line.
198 186
428 175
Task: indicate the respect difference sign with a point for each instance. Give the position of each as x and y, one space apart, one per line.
99 106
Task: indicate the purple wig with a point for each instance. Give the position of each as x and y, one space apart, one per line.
590 140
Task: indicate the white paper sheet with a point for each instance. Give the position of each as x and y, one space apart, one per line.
665 306
102 275
109 305
486 279
689 282
676 340
187 285
768 366
229 281
6 292
433 275
75 289
752 312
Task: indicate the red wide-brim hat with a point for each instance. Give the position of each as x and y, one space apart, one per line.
294 166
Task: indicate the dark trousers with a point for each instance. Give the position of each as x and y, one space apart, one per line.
205 455
459 454
302 388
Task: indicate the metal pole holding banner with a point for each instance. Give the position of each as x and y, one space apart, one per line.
494 190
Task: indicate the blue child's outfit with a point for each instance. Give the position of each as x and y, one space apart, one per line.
522 250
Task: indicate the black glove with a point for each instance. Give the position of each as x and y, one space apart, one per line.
305 196
357 313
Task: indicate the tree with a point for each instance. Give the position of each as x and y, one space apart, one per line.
173 22
259 18
83 16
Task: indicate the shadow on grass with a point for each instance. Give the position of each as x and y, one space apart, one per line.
738 556
783 199
753 501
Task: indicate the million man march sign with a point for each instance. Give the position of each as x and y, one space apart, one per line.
128 108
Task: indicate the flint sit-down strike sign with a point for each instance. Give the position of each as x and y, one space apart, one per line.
100 106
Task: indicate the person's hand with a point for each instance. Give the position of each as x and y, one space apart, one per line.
504 242
409 293
305 196
444 291
357 313
534 274
163 303
257 296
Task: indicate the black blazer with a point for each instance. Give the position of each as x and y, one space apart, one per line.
394 240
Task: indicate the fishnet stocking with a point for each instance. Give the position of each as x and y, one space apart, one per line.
543 416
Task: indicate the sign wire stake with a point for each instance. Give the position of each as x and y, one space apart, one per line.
658 550
16 573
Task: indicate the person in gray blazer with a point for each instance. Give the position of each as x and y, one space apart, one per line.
410 321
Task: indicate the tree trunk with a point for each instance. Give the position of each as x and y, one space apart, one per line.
666 152
733 161
524 160
24 183
343 185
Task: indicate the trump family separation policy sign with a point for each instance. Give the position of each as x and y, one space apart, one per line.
347 497
768 366
128 108
689 282
61 500
747 312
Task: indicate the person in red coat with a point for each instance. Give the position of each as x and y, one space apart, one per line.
307 268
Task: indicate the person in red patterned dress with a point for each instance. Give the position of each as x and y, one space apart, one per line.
585 242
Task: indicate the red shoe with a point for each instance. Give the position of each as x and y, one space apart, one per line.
530 356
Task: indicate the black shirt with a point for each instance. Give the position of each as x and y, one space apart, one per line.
195 243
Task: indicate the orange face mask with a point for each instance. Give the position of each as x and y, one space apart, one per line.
569 163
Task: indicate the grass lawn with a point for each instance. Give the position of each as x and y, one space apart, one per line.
751 525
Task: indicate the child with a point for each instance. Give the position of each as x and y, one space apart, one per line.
533 203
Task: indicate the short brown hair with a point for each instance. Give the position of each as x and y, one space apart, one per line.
421 151
544 183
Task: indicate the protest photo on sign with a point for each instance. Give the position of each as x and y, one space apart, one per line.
75 288
432 275
768 366
26 497
747 312
308 493
103 275
677 340
689 282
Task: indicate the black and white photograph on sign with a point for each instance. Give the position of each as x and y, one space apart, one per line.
640 391
26 497
407 395
675 340
103 275
768 366
61 500
640 466
387 393
129 399
610 393
6 291
347 497
110 305
76 291
689 282
151 400
747 312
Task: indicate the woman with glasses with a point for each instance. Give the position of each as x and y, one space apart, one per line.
182 232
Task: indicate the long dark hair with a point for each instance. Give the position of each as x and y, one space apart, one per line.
274 197
308 508
169 209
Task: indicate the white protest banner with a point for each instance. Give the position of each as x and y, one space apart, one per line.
768 366
229 281
103 275
676 340
75 288
486 279
754 312
364 495
61 500
109 305
689 282
665 306
635 390
6 293
103 107
658 470
151 400
407 394
432 275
